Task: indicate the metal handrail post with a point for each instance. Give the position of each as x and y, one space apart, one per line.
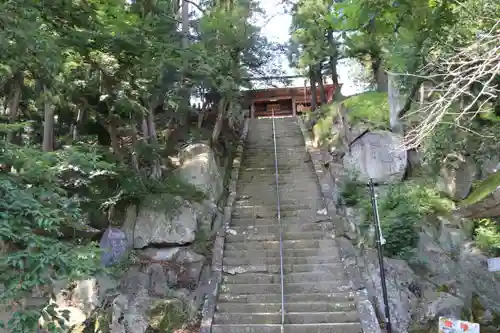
380 242
276 173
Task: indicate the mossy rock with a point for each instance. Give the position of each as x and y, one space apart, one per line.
371 108
168 316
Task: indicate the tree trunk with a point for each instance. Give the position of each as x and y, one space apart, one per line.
115 144
396 103
79 120
48 121
379 75
201 114
133 152
322 93
156 167
13 104
337 94
220 120
144 128
314 96
150 121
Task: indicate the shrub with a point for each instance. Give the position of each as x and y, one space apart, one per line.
402 209
351 191
487 236
36 203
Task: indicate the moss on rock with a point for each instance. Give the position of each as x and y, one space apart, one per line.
371 108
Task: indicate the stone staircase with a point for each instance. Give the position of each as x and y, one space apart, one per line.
317 297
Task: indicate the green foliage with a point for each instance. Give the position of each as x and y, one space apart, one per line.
371 108
402 211
487 236
325 116
448 144
485 188
36 203
133 186
351 191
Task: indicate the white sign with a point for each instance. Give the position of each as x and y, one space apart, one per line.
494 264
448 325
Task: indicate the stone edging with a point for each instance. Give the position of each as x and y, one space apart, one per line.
367 314
218 249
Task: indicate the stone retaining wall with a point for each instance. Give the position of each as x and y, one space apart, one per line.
218 247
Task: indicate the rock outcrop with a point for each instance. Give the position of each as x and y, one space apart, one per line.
163 221
377 155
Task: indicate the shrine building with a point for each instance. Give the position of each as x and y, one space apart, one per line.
284 101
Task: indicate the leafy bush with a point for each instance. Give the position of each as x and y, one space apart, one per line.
401 210
352 192
487 236
35 205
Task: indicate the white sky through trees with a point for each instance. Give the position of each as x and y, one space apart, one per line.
276 27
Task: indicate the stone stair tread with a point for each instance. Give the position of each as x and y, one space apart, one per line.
304 251
321 306
293 288
287 268
275 260
270 244
338 296
294 328
290 317
237 221
264 237
293 277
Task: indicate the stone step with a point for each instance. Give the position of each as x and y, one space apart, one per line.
259 221
269 198
242 209
330 297
290 317
289 307
273 227
328 268
287 244
264 237
271 278
269 213
241 259
269 177
268 194
276 328
330 251
292 288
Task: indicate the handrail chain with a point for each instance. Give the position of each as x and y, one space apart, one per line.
276 172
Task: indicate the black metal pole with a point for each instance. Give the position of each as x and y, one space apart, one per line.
376 219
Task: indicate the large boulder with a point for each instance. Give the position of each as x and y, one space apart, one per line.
198 166
185 264
79 299
462 271
403 289
377 155
140 293
162 221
